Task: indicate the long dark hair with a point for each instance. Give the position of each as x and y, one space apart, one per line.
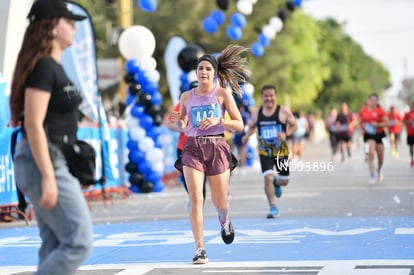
232 68
37 43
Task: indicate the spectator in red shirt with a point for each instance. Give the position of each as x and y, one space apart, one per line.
409 124
394 129
373 120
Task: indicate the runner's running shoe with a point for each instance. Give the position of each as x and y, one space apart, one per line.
227 232
200 256
273 212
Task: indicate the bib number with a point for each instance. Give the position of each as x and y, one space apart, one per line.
370 129
271 131
199 113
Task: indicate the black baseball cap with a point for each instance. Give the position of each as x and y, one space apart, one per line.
48 9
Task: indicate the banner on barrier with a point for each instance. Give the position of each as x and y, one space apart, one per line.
4 103
8 193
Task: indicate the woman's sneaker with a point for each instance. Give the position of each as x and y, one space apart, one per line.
200 256
227 233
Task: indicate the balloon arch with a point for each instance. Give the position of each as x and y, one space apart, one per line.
145 111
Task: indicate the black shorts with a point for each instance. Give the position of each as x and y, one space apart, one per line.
397 136
410 140
281 165
377 137
344 137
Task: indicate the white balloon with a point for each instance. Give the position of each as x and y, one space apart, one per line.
158 167
147 63
131 121
146 144
136 42
248 88
276 23
137 133
269 32
244 7
253 1
155 155
154 76
192 76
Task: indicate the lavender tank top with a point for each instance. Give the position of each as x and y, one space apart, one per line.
201 107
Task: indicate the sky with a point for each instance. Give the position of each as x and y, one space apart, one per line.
384 28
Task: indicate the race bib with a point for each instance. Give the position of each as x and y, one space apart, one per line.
344 127
271 131
199 113
392 122
370 129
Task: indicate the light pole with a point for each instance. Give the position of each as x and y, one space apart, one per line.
125 19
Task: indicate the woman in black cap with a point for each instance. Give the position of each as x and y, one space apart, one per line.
46 101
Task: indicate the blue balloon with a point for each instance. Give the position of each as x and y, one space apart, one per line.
141 77
134 188
146 121
137 110
156 99
263 40
158 187
218 16
150 87
132 145
238 20
297 2
154 133
132 66
158 144
234 32
184 77
129 99
144 167
148 5
154 177
137 156
257 49
210 25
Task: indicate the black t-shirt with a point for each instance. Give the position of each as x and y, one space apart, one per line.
62 112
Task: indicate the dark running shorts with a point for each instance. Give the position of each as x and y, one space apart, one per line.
280 164
209 155
410 140
378 137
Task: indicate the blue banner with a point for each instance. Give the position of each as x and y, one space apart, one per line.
4 103
8 193
79 62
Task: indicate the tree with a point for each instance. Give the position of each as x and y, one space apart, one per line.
353 74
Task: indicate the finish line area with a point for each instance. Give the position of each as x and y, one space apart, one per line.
351 245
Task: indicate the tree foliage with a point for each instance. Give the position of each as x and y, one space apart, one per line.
313 63
353 74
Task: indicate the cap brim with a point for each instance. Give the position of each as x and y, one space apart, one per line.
77 17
